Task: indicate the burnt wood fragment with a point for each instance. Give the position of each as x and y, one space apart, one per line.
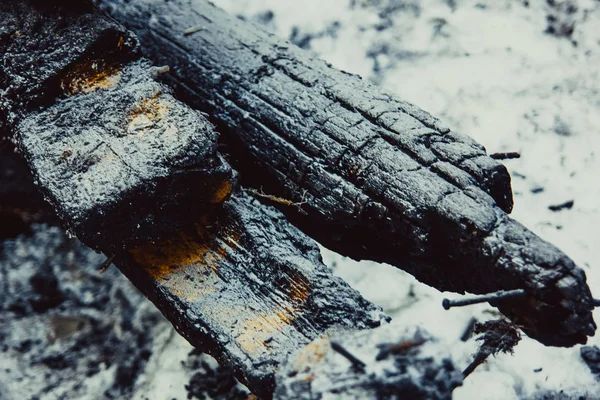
136 174
119 158
40 41
126 162
491 298
505 156
567 205
321 371
246 287
496 336
377 178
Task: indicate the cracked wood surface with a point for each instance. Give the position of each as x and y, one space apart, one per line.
378 178
247 287
126 162
38 43
128 168
119 158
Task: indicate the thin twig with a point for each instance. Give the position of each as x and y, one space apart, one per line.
358 364
106 264
279 200
500 295
505 156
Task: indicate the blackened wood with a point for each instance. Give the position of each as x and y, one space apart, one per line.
247 287
505 156
41 40
126 162
390 356
378 178
119 158
131 171
492 297
567 205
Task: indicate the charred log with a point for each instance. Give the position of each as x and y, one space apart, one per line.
377 178
31 76
136 174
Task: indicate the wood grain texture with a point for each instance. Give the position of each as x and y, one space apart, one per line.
378 178
135 173
248 288
118 157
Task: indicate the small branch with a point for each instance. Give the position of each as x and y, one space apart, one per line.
567 205
501 295
102 268
356 363
279 200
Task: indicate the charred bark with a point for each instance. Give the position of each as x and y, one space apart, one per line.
39 43
125 163
377 178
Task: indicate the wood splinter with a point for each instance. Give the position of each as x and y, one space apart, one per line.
102 268
500 295
356 363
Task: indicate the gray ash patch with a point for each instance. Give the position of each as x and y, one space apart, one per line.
384 363
387 9
62 325
303 39
561 17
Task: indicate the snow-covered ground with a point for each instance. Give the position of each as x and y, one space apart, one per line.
488 69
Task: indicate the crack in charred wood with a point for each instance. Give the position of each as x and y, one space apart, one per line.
232 275
414 220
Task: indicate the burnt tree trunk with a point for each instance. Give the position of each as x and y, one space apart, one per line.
377 178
